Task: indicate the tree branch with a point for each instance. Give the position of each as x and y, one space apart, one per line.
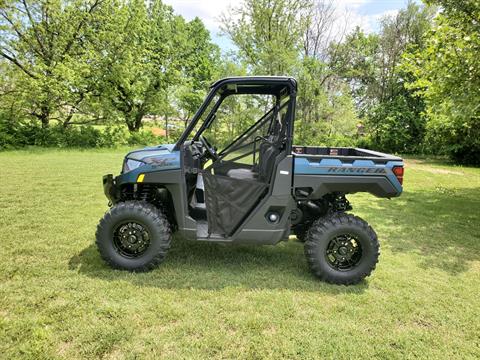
79 27
32 23
18 64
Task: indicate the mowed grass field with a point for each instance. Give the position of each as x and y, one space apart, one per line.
208 301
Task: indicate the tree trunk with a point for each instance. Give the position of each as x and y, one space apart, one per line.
45 122
67 120
138 120
44 116
135 124
131 127
166 127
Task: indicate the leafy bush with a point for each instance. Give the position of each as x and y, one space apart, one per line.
7 133
114 135
142 138
447 74
455 136
396 126
17 135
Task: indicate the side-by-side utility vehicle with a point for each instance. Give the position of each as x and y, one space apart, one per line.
258 188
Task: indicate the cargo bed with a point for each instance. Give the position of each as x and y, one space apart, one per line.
322 170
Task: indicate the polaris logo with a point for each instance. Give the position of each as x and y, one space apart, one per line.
161 162
356 170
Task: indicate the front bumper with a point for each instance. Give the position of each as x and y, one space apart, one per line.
110 188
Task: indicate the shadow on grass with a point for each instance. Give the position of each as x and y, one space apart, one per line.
208 266
441 226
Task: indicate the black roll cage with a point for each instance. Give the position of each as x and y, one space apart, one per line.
270 115
278 86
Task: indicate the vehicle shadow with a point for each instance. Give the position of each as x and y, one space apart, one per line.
442 226
208 266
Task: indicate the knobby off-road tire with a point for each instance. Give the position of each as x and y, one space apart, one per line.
301 233
134 236
341 249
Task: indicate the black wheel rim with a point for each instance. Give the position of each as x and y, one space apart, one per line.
344 252
131 239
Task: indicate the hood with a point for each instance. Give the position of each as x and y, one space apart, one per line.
151 152
160 157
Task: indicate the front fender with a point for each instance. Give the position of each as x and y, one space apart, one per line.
110 189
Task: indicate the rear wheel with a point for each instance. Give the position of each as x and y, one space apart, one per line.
134 236
341 249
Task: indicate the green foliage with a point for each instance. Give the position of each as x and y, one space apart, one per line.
140 57
235 115
202 60
371 64
394 124
447 75
323 117
409 88
268 33
21 134
144 138
77 61
281 37
356 60
49 45
454 133
8 133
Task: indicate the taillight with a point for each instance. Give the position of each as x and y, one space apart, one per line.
398 171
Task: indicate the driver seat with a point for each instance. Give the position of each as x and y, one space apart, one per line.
267 154
242 174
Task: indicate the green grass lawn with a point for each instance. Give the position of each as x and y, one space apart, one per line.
59 300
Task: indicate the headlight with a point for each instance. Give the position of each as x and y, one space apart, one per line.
130 165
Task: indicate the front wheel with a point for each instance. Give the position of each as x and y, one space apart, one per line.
133 235
301 232
341 249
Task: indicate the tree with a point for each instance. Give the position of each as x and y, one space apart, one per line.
325 108
371 64
286 37
9 121
268 33
447 74
202 58
320 30
48 43
356 61
140 54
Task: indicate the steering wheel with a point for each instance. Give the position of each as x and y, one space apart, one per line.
210 149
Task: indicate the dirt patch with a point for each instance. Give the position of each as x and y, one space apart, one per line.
158 132
421 165
64 348
441 171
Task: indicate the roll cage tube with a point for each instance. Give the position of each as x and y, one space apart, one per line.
251 85
264 116
290 120
210 117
